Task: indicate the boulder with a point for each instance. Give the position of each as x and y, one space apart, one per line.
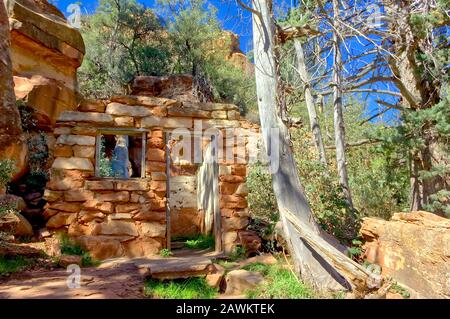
23 228
15 224
48 98
250 241
238 282
67 260
60 220
42 42
142 247
117 228
178 87
216 277
101 247
413 248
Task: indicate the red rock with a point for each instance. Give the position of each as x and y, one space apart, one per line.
413 249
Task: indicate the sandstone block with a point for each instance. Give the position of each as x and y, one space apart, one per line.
151 229
76 140
101 247
234 223
120 216
65 207
78 195
173 122
158 176
106 207
156 155
127 208
84 151
52 196
62 130
117 228
158 186
84 130
88 105
132 185
149 216
90 117
188 112
127 110
87 216
233 115
113 197
238 282
56 183
63 151
219 115
69 163
142 247
99 185
124 121
60 220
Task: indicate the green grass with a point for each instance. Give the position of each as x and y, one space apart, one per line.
279 283
192 288
69 247
9 265
165 253
400 290
200 242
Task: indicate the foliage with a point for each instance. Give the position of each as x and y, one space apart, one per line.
69 247
191 288
123 39
261 199
165 253
201 242
400 290
238 253
105 168
280 283
7 169
9 265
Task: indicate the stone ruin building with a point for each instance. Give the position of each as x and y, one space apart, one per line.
118 182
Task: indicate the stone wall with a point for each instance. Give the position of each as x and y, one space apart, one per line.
127 217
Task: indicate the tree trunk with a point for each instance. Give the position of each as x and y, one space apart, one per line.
313 118
286 183
339 126
417 93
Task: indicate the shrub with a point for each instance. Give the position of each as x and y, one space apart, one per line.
69 247
280 283
7 169
10 265
201 242
191 288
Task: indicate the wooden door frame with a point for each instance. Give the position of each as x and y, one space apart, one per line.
217 213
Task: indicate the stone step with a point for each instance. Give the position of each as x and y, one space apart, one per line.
176 267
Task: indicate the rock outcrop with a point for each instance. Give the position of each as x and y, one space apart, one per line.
46 52
229 42
414 249
12 145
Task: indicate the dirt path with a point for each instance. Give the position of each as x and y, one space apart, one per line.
109 281
119 278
